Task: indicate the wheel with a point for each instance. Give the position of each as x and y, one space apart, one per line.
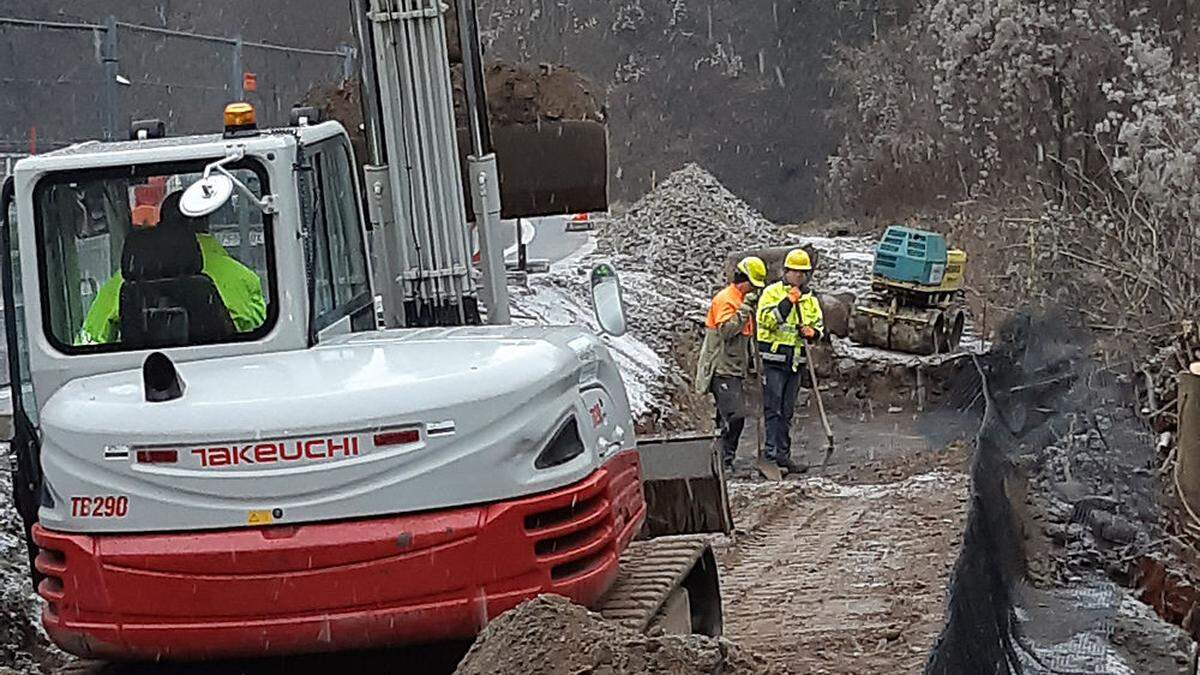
958 323
920 337
860 327
938 332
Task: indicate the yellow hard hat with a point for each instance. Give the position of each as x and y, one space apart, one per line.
798 260
755 269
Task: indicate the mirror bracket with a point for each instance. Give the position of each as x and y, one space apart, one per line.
268 205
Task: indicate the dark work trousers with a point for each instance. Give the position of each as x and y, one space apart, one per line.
781 386
731 413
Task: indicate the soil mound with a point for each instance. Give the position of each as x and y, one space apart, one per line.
549 634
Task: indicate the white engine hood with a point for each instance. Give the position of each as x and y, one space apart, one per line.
502 393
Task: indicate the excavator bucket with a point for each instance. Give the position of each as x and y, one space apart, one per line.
685 486
548 168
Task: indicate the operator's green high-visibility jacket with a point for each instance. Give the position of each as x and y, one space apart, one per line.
779 323
238 286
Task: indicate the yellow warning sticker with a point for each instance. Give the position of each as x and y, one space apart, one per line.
259 518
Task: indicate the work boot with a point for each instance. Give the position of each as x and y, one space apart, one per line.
788 466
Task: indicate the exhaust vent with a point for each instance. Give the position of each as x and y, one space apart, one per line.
160 378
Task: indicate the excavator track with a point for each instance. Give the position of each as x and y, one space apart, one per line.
653 575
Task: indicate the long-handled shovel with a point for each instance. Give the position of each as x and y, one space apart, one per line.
812 373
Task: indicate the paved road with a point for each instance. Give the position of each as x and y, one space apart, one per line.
546 238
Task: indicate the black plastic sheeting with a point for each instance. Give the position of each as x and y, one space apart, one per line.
1032 366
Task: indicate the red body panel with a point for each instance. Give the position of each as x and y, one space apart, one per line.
332 586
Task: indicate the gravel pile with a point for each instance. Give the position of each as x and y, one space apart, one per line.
551 635
671 248
684 229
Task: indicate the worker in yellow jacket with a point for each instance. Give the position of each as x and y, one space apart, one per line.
725 355
787 314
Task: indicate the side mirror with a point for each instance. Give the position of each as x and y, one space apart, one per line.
216 187
206 195
606 300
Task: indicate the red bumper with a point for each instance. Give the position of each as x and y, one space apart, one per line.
323 587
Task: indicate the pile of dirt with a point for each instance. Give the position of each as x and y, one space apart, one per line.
551 635
519 94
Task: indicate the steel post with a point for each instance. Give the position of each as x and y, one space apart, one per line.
485 181
348 53
110 95
237 75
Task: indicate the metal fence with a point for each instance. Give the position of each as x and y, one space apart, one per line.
68 81
7 159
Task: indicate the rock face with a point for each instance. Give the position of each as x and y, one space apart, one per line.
550 635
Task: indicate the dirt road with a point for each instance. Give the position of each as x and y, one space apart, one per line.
845 579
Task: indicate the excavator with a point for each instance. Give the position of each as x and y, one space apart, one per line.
264 404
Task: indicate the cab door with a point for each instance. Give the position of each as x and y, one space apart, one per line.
24 450
343 299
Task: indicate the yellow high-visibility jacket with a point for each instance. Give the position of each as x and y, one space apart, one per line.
778 334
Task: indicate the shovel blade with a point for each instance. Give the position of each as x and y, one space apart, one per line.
684 484
769 470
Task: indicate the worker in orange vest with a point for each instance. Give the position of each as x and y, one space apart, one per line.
725 355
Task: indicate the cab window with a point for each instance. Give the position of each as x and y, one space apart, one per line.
123 268
342 284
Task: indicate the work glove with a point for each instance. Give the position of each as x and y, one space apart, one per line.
794 295
751 299
808 333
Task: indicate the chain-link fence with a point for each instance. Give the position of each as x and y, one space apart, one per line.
71 81
7 159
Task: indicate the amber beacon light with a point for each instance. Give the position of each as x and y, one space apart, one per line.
240 117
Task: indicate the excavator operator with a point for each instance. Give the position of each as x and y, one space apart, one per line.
239 286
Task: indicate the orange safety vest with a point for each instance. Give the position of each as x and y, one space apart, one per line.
725 306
